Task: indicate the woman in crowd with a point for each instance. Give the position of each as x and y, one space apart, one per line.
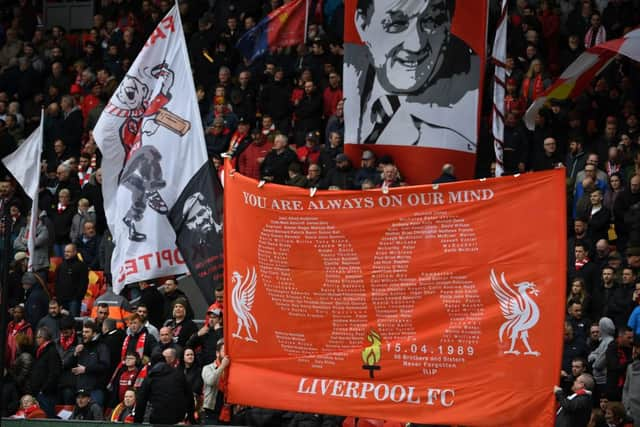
535 82
182 327
193 374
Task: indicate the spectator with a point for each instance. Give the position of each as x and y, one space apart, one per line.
62 220
575 410
46 371
167 390
631 389
193 373
66 345
72 280
535 82
603 294
36 300
341 177
275 167
87 245
166 341
207 337
113 338
86 409
124 412
171 294
634 319
154 301
314 176
213 376
29 408
138 340
618 357
250 160
124 378
308 112
448 174
182 327
18 329
85 213
367 170
143 312
92 363
296 178
40 257
52 320
598 357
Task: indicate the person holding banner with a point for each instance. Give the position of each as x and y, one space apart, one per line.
415 77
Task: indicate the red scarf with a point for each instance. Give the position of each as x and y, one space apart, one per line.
580 264
61 208
141 376
623 361
65 343
41 348
142 338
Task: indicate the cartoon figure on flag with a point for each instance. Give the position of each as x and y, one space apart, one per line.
141 173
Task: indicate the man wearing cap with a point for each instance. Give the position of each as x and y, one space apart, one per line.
208 336
217 137
36 302
171 293
251 158
86 409
368 169
240 139
275 167
310 151
342 176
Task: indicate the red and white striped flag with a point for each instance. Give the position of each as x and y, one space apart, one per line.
577 77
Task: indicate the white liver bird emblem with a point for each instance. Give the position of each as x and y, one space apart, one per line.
244 292
519 309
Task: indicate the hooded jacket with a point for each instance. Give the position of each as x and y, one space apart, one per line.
597 357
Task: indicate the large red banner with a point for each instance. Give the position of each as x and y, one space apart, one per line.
433 304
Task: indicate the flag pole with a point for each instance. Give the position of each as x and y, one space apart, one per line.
306 21
6 256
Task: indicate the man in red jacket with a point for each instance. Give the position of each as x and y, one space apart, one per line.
251 158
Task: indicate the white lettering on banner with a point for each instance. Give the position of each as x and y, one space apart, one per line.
150 261
432 198
342 295
467 196
380 392
394 293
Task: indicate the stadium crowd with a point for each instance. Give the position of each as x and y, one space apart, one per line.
140 355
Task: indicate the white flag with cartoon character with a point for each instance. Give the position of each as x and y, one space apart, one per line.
151 137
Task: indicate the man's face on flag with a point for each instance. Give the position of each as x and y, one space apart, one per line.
405 39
